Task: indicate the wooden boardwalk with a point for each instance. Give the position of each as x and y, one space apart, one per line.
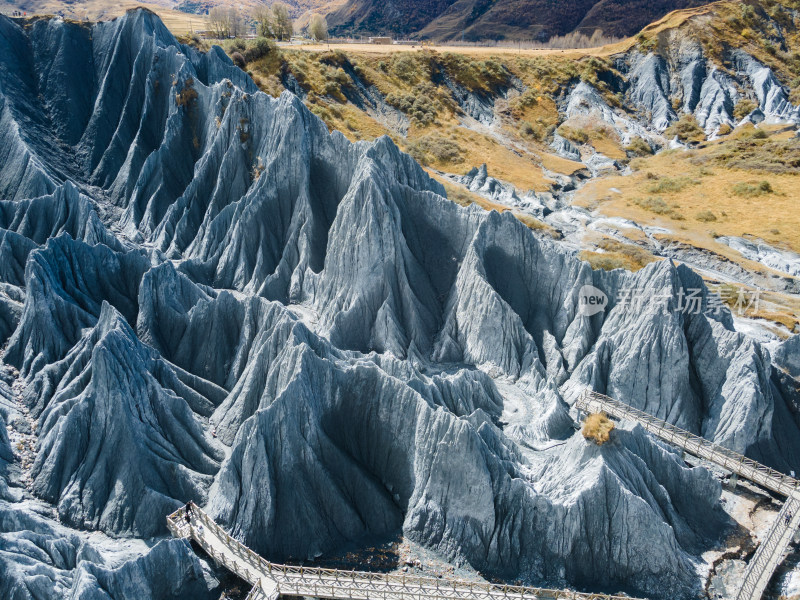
270 580
592 402
771 551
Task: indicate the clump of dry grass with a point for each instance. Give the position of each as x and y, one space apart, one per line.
435 148
617 255
639 147
670 185
597 428
657 205
686 129
752 190
706 216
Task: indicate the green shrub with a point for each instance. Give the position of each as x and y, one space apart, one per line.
422 105
408 68
258 49
475 75
238 60
536 131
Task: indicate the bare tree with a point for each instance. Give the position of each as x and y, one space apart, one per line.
238 25
281 21
226 22
218 21
262 15
318 28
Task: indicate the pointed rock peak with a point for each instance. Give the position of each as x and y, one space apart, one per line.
111 320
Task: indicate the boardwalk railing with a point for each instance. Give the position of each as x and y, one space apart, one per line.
745 467
770 552
270 580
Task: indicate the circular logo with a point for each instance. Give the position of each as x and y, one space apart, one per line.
591 301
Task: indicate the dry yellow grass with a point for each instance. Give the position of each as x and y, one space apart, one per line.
597 428
772 217
612 254
556 163
477 51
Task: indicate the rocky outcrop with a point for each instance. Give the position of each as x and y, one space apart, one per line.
787 356
42 559
681 79
111 392
370 356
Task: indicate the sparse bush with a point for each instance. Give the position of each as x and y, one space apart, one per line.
753 154
187 95
434 148
526 129
573 134
597 428
706 216
617 255
602 262
422 105
258 49
670 185
238 60
654 205
686 129
753 190
639 147
743 108
536 131
407 68
724 129
475 75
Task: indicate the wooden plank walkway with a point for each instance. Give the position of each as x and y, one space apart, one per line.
270 580
770 552
592 402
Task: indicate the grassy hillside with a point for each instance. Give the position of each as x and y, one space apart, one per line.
746 183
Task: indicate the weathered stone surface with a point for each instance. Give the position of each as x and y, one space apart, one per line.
196 259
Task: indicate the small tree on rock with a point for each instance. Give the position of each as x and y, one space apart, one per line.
597 428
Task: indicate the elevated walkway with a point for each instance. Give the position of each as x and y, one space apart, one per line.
270 580
770 552
592 402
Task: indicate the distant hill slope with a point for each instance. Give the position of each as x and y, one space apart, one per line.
499 19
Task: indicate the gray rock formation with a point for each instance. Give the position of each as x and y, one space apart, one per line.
783 261
658 87
185 257
42 559
787 356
